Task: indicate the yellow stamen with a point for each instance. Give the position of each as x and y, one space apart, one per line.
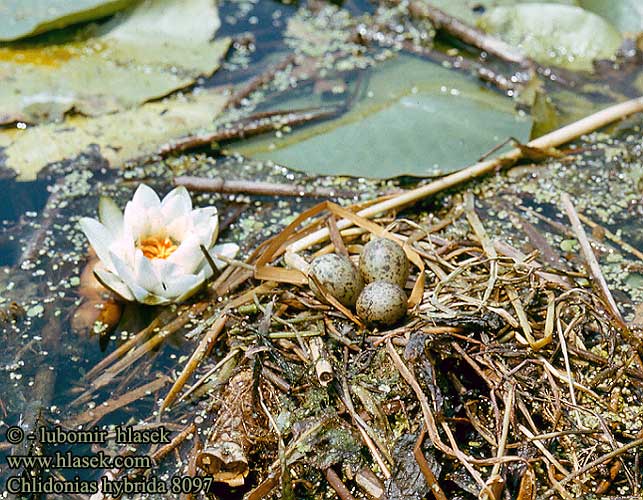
156 247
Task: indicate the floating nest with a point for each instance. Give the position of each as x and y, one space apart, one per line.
508 378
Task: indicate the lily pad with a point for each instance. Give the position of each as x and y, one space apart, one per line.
470 10
144 53
417 118
626 15
554 34
118 137
21 18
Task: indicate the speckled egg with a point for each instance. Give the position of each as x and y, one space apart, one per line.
339 276
384 260
382 303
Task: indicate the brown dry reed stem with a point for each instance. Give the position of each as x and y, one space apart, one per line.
367 433
591 261
176 441
107 376
485 73
608 456
611 236
468 34
116 403
425 468
429 419
259 81
260 188
202 350
128 345
248 127
337 484
192 469
204 379
41 392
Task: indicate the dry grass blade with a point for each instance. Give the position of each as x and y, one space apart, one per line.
611 236
487 244
608 456
202 350
136 354
114 404
430 478
520 312
592 264
176 441
429 420
125 347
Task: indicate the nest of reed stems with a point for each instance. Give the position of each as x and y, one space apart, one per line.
508 378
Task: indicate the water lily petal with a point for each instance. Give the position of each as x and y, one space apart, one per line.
137 211
133 220
125 246
155 223
110 215
125 273
228 250
183 285
114 283
205 223
180 227
189 255
146 276
166 270
146 197
155 300
191 290
177 203
143 222
100 238
175 280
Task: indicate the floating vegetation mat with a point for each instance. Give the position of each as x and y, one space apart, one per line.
508 378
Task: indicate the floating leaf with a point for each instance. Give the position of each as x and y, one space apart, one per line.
470 10
118 137
421 120
626 15
553 34
144 53
21 18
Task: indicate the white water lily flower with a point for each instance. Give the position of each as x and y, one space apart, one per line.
152 253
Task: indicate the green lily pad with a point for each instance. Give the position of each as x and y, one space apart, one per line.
626 15
470 10
144 53
417 119
21 18
119 137
554 34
